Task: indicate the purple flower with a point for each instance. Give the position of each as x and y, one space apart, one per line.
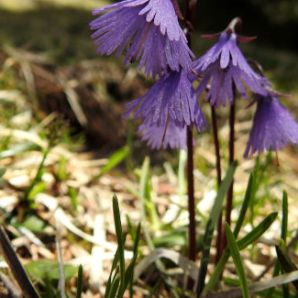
170 136
273 126
170 99
147 30
224 66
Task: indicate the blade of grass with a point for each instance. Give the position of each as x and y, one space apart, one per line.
129 274
115 288
145 197
120 238
287 261
18 149
257 181
258 231
251 237
113 274
250 190
234 250
283 235
148 207
212 222
286 264
37 179
80 282
113 161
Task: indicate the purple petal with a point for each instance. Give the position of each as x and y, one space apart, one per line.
159 45
171 136
273 127
171 98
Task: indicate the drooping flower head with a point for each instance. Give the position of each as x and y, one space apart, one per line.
223 67
273 126
147 31
170 102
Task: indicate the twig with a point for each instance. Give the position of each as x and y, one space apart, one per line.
13 289
61 285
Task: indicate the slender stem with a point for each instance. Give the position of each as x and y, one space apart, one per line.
231 160
187 14
190 168
216 145
191 198
219 247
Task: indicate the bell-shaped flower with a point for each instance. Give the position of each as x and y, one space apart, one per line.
273 126
147 31
170 102
223 70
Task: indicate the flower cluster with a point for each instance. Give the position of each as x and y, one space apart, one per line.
148 32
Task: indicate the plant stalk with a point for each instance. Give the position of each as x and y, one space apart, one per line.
190 166
229 205
191 197
219 246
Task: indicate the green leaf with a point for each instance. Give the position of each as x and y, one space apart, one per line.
148 206
113 161
73 195
175 238
49 270
286 264
36 188
134 259
18 149
284 228
251 237
248 196
120 238
114 288
34 224
234 250
110 279
212 222
37 185
258 231
61 169
80 282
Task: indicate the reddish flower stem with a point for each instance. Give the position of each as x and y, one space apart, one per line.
219 246
190 168
229 206
191 197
